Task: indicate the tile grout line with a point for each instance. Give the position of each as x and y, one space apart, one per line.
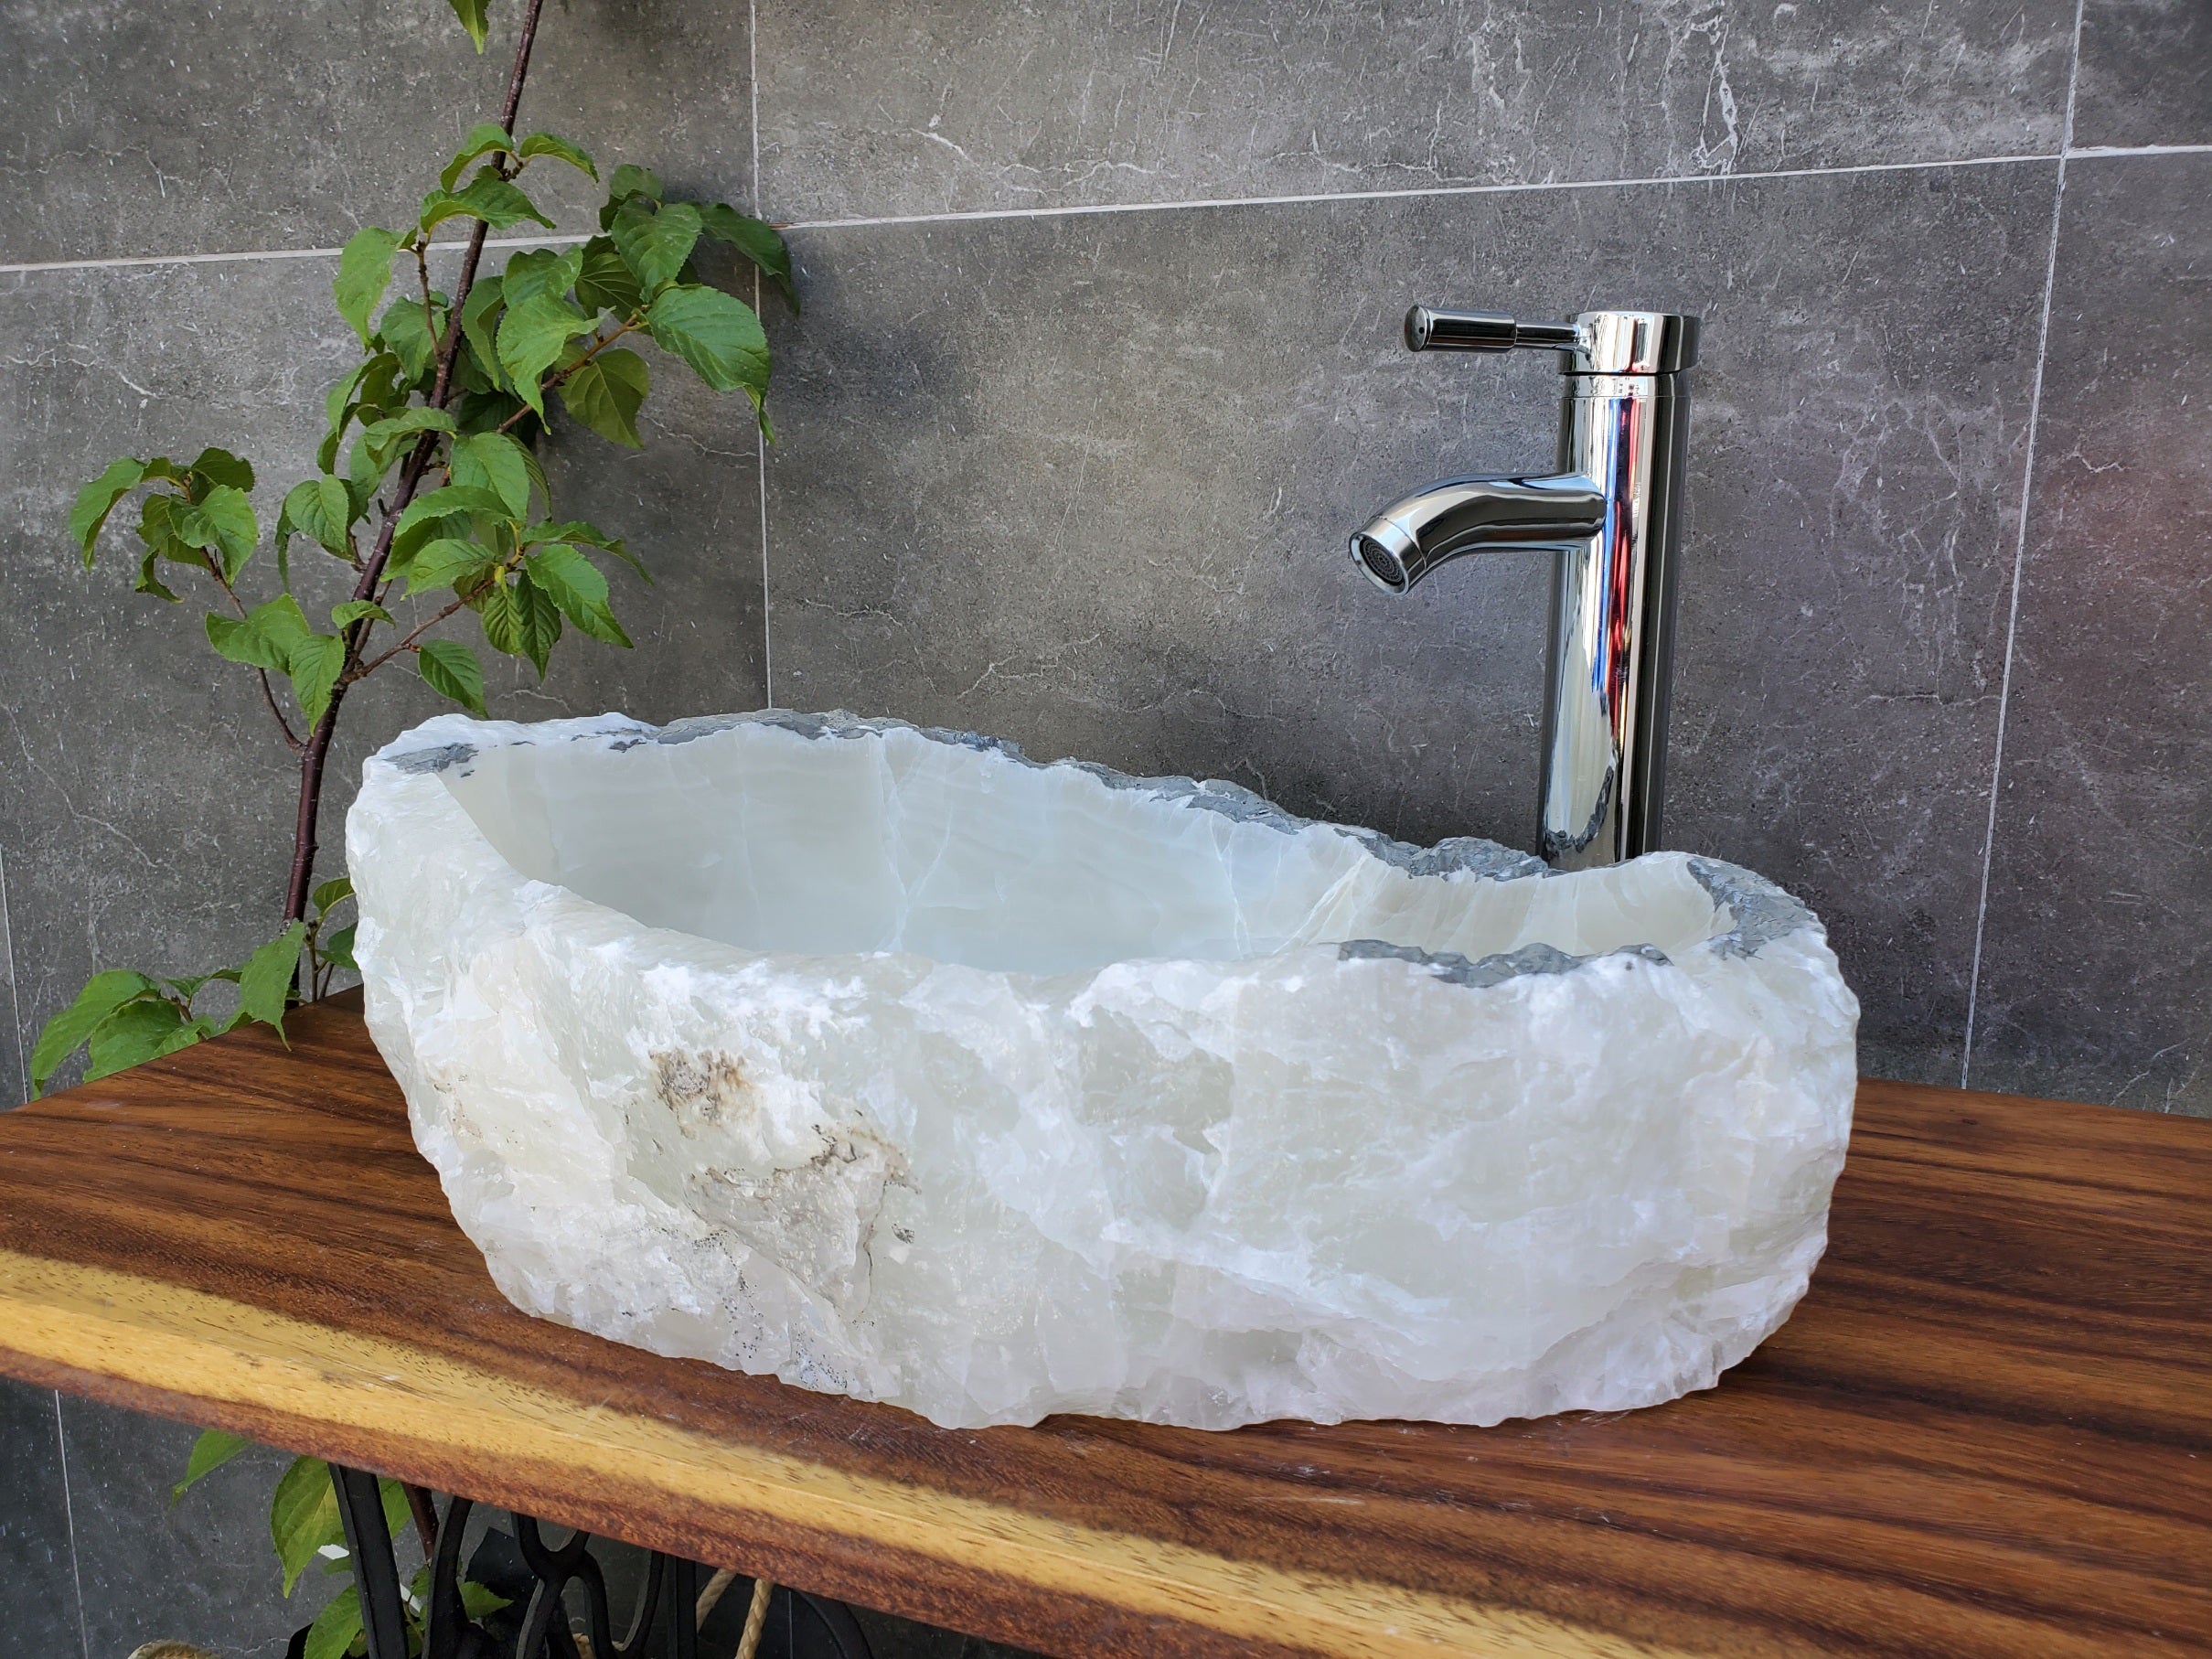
1665 181
135 261
556 238
551 238
69 1521
2012 620
760 438
2105 152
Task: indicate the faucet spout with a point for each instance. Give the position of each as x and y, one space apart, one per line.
1440 523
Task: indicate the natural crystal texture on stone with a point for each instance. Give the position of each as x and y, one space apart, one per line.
897 1065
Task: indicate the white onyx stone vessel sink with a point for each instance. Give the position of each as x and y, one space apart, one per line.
900 1066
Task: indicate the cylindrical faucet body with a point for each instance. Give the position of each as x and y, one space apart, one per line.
1612 636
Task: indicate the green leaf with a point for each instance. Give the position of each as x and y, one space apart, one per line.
335 399
263 638
364 272
447 512
214 1448
336 891
365 471
718 336
532 334
520 619
102 994
220 466
450 669
345 614
320 508
605 394
338 949
134 1034
406 333
654 244
477 313
575 585
315 665
396 1513
148 582
157 530
338 1625
223 523
473 15
97 499
757 240
377 380
488 197
588 535
628 181
559 149
451 498
605 283
303 1517
495 462
264 989
383 438
449 561
486 138
540 274
480 1601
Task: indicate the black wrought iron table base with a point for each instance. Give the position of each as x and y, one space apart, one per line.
665 1624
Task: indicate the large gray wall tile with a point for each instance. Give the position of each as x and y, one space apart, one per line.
1085 482
949 106
37 1580
2146 73
182 126
145 803
2096 979
198 1569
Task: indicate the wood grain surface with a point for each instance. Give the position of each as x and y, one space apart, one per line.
1987 1430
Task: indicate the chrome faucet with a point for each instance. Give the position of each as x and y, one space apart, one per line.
1612 517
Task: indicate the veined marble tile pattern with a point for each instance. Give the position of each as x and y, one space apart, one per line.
970 106
2097 973
1070 460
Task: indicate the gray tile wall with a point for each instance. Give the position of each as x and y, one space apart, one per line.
1099 364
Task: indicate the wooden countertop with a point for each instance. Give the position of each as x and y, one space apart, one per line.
1988 1429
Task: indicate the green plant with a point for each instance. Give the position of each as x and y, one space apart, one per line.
304 1528
429 493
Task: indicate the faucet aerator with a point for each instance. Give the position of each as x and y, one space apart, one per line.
1381 566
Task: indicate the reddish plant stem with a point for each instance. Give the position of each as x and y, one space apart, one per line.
597 346
268 695
312 757
370 667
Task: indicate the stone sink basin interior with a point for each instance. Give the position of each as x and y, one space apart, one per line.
860 847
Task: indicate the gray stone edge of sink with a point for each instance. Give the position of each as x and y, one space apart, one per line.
1760 912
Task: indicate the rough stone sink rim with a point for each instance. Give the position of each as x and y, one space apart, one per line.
1758 911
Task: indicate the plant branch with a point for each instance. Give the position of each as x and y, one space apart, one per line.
363 671
317 750
214 570
292 739
430 316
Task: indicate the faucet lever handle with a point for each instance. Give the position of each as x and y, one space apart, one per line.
1433 328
